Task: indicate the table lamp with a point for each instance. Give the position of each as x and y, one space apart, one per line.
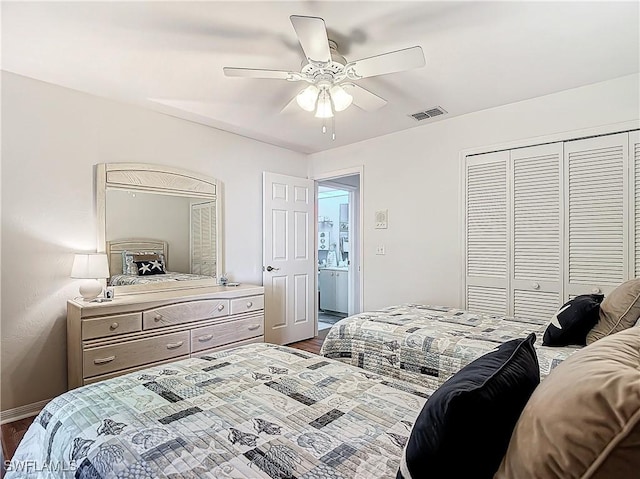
90 266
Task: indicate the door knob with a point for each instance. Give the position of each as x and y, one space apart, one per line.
271 268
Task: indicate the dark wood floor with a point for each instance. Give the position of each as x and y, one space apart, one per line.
12 432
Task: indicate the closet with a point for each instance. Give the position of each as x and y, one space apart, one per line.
548 222
203 238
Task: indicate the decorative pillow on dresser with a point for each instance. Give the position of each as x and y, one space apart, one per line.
147 268
583 421
464 428
573 321
129 259
619 310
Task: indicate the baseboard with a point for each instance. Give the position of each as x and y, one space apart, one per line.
22 412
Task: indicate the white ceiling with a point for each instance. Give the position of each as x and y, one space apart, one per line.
169 56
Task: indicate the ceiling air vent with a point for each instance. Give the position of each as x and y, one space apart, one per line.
426 114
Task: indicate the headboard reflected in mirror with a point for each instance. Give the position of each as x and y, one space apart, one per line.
146 209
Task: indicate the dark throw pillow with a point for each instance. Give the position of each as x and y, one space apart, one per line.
464 428
573 321
146 268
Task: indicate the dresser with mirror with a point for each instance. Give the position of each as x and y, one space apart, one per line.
160 228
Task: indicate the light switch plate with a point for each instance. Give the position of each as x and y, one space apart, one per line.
381 219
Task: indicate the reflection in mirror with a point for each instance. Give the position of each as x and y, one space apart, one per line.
186 224
159 225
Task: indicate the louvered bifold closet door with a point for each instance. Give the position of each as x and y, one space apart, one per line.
536 282
486 233
634 155
597 229
203 238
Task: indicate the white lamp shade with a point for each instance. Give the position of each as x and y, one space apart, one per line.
307 98
324 105
341 99
90 266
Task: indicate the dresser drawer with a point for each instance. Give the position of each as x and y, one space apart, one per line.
229 332
106 359
111 325
184 313
102 377
250 303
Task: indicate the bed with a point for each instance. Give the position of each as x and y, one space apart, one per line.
426 345
258 411
119 267
128 279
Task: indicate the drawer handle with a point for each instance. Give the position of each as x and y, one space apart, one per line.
535 285
104 360
114 326
205 338
249 304
175 345
254 327
220 307
157 317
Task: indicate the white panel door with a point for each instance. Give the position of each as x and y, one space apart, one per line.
486 233
634 157
289 260
597 228
536 283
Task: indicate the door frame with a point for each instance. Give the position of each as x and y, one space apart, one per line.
333 175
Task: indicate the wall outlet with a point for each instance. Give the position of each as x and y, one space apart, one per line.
380 249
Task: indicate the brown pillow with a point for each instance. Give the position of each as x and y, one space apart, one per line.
619 310
583 421
146 257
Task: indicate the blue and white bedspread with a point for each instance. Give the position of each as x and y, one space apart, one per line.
426 345
258 411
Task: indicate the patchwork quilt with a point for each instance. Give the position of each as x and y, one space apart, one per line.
258 411
426 345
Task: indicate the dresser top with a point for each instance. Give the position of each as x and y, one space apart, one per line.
140 301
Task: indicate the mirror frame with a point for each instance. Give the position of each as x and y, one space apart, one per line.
164 180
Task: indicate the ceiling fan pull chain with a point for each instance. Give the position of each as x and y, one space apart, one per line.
333 128
324 126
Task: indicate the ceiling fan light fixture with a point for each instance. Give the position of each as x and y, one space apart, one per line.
341 99
324 109
307 98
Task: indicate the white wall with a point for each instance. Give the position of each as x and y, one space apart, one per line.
415 174
51 138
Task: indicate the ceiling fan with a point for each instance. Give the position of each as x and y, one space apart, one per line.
329 75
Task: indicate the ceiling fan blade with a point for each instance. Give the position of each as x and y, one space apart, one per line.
256 73
391 62
312 34
364 98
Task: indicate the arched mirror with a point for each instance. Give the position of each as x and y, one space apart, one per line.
159 226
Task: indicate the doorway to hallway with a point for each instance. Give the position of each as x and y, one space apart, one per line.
338 259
